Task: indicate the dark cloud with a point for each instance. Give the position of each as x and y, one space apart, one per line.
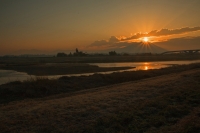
99 43
111 41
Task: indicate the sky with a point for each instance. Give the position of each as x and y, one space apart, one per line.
92 25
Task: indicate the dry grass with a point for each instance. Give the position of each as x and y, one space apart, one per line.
168 103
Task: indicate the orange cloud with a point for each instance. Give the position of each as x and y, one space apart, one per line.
163 32
166 32
113 40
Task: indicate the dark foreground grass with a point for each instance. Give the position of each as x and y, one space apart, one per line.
177 111
42 87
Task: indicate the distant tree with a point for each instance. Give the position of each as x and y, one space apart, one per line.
112 53
125 54
70 54
61 55
77 50
79 53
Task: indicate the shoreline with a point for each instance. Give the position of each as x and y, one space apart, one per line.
39 87
51 69
59 69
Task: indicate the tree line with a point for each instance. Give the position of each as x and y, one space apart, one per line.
76 53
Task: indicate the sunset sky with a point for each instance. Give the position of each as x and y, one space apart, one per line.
50 25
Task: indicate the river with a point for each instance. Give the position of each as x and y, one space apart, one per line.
11 75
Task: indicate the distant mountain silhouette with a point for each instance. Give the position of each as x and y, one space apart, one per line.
183 43
138 48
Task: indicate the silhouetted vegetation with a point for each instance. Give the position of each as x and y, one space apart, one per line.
76 53
79 53
112 53
61 55
99 58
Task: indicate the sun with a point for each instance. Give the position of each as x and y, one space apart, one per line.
145 39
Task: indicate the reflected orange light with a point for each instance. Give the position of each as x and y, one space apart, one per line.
146 68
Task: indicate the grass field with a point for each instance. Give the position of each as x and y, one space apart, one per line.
165 100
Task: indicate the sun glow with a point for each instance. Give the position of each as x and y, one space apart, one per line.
145 39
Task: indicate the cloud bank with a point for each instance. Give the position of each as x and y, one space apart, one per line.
164 32
113 40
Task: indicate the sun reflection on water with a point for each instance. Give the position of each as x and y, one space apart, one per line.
146 68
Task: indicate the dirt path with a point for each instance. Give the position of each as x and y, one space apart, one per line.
69 112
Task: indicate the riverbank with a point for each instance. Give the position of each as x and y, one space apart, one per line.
166 102
46 66
44 69
43 87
